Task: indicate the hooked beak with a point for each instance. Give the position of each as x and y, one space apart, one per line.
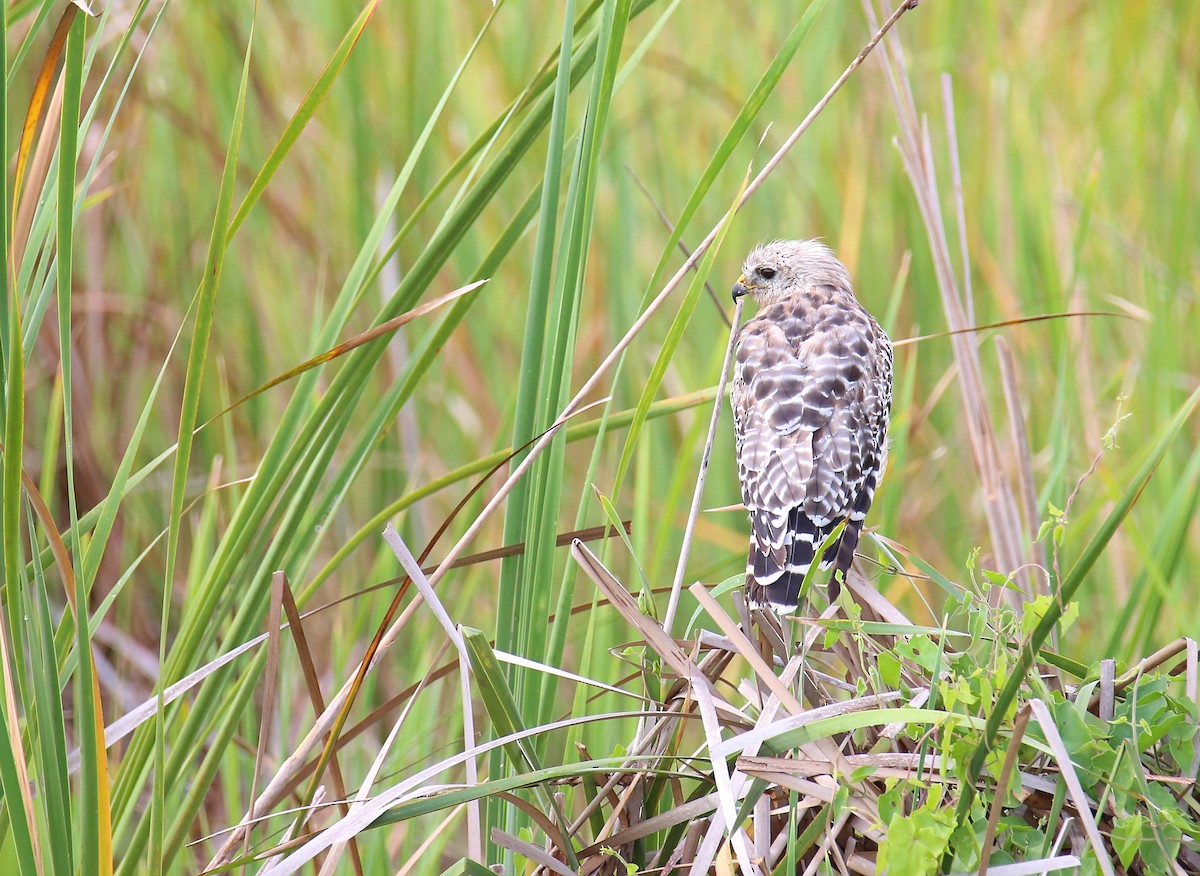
740 288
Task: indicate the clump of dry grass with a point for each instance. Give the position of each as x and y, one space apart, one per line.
846 747
808 749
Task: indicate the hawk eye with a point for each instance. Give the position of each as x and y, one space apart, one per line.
766 272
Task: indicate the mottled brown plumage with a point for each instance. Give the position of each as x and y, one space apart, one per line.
812 390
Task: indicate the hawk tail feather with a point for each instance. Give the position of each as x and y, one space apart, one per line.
775 572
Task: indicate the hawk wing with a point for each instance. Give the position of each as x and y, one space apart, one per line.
806 406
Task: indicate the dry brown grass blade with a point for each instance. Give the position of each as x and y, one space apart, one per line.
684 812
652 633
312 683
538 817
1020 447
454 636
353 343
746 649
530 852
347 702
36 172
1007 323
241 831
887 764
1010 763
865 594
916 154
307 665
22 215
700 687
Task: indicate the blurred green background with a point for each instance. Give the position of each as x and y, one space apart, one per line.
1078 126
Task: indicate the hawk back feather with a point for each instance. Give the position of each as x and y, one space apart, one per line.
811 397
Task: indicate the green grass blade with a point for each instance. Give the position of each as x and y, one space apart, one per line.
746 116
51 735
672 340
19 833
94 810
509 635
457 797
502 708
18 818
193 383
301 117
1150 588
572 267
498 698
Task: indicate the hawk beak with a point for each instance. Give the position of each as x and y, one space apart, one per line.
740 288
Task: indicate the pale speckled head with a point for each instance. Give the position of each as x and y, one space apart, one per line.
784 267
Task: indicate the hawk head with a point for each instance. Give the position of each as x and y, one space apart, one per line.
784 267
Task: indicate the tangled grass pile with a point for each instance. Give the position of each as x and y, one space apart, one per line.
858 742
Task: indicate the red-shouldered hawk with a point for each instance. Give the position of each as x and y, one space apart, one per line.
812 390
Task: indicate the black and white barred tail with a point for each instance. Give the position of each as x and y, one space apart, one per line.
782 553
775 574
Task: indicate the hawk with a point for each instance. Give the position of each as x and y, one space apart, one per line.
812 391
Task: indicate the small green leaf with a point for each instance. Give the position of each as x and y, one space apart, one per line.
915 843
996 579
921 650
1127 837
889 669
862 772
